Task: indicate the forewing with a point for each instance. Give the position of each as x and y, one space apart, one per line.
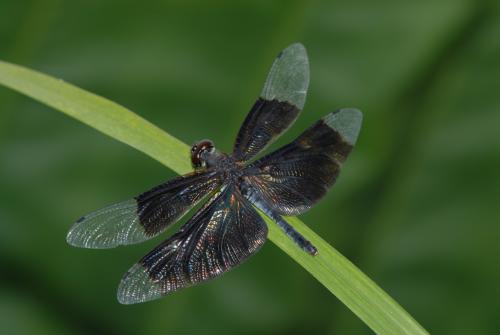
221 235
279 104
293 178
144 216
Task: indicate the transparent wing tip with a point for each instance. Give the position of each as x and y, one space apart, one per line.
136 286
78 235
293 48
293 60
82 236
109 227
288 78
347 122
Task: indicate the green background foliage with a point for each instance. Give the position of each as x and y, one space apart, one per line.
414 207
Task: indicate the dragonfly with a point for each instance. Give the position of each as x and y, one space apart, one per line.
228 228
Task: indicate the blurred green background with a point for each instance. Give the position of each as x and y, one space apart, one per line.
416 207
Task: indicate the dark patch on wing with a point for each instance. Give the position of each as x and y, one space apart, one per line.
264 123
299 174
220 236
143 217
164 204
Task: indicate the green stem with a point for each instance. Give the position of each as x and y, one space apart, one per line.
368 301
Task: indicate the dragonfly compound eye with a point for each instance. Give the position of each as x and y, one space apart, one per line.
198 150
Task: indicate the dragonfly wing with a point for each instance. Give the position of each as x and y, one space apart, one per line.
220 236
144 216
296 176
280 102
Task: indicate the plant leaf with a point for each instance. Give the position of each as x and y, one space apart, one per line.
368 301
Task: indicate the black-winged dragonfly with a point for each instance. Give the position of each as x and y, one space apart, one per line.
228 229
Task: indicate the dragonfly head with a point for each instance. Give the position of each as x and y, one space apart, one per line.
203 154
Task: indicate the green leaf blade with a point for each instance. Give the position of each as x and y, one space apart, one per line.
360 294
102 114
